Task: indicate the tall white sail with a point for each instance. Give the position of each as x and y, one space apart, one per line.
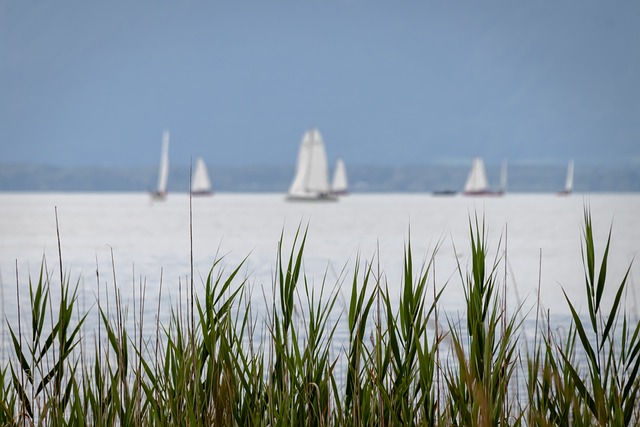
298 186
568 185
340 183
477 180
317 173
163 170
200 182
311 180
163 175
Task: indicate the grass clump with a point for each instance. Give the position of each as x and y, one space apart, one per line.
606 390
485 353
220 361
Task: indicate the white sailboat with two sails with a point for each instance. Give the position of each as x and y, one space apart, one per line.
477 183
311 181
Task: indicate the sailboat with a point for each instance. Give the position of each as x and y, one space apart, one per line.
477 183
503 178
340 183
163 174
200 182
568 185
311 181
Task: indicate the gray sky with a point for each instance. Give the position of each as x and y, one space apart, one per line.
238 82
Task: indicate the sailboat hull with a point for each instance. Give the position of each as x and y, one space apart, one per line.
202 193
313 197
484 193
158 195
444 193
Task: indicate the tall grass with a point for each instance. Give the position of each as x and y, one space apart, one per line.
606 390
486 352
220 361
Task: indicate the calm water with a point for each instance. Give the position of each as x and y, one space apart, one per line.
148 238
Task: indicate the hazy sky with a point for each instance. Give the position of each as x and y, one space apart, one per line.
386 82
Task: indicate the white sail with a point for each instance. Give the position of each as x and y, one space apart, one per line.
317 173
163 175
503 177
340 183
163 170
568 186
298 186
311 180
477 180
200 182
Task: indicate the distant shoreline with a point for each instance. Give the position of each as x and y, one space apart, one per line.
525 178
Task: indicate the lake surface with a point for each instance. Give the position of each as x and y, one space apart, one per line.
144 239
